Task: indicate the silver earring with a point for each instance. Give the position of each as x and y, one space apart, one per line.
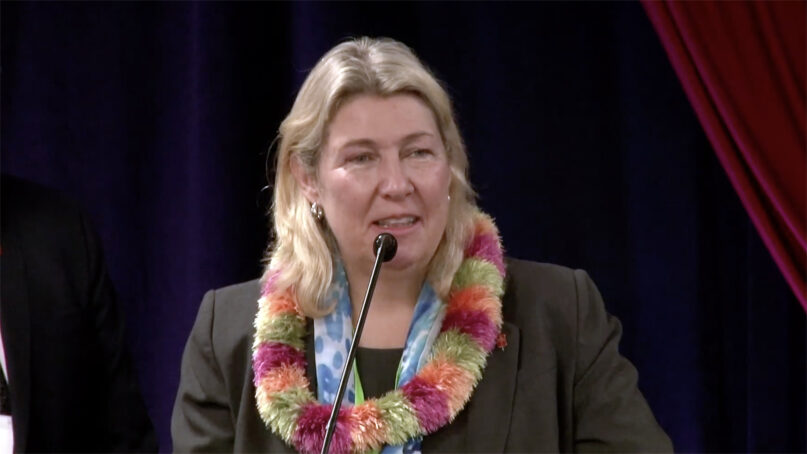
317 212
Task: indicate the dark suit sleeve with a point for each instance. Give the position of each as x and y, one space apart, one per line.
202 420
128 427
610 413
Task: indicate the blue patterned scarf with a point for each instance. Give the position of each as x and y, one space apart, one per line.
332 335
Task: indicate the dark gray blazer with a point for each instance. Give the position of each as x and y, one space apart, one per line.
560 384
71 381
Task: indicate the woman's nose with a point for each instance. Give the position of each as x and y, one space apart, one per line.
394 181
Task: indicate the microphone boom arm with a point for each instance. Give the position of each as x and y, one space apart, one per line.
385 248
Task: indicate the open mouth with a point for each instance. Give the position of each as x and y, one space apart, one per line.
393 222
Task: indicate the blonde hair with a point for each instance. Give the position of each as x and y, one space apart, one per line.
301 258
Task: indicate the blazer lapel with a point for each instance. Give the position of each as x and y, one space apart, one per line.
485 422
16 329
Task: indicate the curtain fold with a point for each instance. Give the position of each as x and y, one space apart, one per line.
742 66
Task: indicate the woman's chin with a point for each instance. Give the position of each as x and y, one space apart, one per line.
403 263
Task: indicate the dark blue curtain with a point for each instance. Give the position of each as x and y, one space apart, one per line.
158 118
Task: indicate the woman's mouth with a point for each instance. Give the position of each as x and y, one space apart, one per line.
396 222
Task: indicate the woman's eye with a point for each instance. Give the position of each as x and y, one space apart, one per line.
360 158
421 152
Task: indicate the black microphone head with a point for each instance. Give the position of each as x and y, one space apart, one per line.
388 246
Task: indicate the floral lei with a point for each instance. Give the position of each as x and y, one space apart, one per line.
432 399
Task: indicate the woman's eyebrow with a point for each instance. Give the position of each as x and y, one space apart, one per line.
415 135
365 142
359 142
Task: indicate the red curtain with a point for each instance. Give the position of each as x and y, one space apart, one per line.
742 65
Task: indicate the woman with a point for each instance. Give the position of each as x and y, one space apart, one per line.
462 351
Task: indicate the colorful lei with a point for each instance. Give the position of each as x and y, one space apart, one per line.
426 403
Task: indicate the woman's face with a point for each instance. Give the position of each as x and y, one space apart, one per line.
383 168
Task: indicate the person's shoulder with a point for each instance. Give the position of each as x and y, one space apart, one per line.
543 301
236 304
29 199
541 290
233 306
242 291
40 216
546 278
225 319
519 267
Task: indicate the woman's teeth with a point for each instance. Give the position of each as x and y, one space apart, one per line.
396 222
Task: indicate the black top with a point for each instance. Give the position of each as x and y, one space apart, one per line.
377 369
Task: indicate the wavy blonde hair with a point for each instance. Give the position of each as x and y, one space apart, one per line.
301 257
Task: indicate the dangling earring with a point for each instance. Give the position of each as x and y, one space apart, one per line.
317 212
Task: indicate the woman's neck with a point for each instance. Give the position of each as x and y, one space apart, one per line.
390 313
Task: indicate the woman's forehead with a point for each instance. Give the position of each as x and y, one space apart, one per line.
373 118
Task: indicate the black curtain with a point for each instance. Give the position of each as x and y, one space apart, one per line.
158 118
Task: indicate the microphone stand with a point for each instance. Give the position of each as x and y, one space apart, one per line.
385 248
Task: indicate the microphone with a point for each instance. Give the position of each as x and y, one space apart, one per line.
385 246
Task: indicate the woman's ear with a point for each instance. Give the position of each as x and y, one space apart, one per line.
305 179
